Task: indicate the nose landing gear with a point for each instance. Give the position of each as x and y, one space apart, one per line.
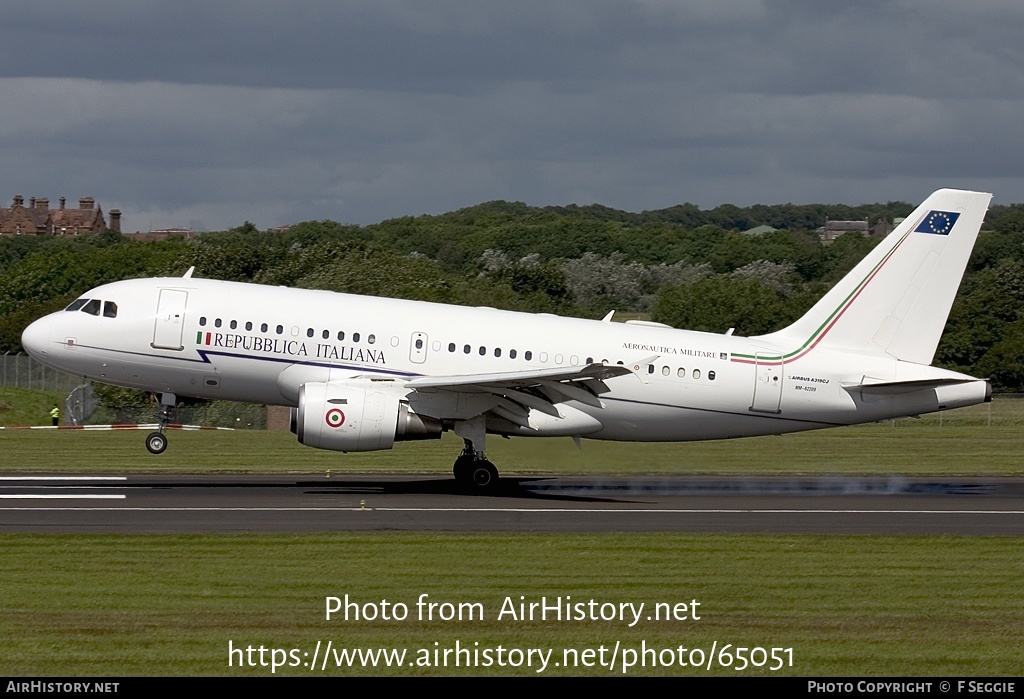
156 442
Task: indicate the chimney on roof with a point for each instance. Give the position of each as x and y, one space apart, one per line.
19 200
62 203
43 204
32 203
86 202
115 220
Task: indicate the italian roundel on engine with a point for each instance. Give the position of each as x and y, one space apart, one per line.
357 416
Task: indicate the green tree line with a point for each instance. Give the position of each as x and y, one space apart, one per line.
683 266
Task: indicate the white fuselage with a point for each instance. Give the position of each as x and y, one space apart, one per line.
247 342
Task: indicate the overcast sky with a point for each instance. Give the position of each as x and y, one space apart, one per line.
208 113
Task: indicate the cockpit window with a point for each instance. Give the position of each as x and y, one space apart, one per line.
75 305
109 309
92 308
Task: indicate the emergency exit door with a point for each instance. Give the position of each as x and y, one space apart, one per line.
418 348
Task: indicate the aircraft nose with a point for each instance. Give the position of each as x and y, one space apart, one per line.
36 338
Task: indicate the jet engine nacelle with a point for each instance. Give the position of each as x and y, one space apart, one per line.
350 416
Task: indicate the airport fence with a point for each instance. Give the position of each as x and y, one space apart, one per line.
82 407
22 371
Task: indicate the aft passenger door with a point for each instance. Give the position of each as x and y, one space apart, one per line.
170 319
767 384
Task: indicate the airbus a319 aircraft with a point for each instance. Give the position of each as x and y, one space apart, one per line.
361 373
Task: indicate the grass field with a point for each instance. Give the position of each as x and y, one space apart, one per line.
170 605
982 440
22 406
110 605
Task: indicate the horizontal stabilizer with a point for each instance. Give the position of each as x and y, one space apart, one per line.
893 387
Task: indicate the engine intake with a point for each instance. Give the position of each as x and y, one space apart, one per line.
345 416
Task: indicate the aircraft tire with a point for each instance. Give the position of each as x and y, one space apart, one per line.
156 442
484 476
463 469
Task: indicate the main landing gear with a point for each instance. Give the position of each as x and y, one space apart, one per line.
156 442
474 472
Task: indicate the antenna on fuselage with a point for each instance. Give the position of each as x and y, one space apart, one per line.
188 274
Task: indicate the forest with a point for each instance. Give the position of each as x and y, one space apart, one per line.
687 267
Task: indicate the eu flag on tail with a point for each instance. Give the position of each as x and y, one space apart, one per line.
938 222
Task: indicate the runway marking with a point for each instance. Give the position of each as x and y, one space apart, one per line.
493 509
54 482
26 496
63 478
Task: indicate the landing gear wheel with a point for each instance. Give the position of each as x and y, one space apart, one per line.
156 442
475 475
484 476
463 470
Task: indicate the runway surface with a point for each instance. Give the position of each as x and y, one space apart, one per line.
249 503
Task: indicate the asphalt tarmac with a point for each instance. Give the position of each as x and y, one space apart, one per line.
366 502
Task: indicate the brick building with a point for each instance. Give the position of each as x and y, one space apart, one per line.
39 219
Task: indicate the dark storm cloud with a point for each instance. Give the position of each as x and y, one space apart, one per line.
791 46
210 113
420 46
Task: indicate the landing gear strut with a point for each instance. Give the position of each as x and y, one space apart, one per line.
473 471
156 442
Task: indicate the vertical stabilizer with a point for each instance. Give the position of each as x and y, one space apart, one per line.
897 299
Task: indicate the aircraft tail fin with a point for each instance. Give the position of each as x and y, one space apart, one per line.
897 299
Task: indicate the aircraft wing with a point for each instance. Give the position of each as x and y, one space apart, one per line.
526 378
539 389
